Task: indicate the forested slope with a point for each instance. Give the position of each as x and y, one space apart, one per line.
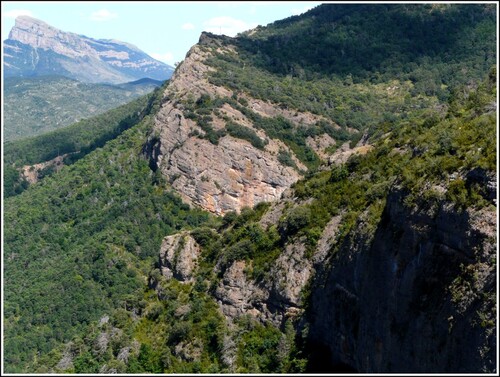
377 255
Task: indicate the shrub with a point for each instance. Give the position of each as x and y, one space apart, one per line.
297 219
245 133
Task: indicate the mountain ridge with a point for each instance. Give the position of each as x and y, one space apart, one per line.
35 48
377 261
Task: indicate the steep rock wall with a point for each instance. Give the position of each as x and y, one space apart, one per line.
420 298
219 178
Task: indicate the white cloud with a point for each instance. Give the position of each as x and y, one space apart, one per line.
14 13
166 57
227 25
188 26
102 15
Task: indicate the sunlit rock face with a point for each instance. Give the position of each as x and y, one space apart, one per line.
35 48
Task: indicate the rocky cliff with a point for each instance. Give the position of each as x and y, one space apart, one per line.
414 293
230 173
35 48
420 297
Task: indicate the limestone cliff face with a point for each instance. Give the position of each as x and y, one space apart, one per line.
35 48
276 298
420 298
39 34
218 178
233 173
178 256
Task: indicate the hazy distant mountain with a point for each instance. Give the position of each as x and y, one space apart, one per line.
35 105
347 158
35 48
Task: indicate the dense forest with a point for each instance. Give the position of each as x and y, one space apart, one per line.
84 289
73 142
36 105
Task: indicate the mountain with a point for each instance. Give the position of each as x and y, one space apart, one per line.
35 48
272 210
29 160
245 118
37 105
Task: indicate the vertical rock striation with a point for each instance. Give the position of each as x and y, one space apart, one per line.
420 298
221 177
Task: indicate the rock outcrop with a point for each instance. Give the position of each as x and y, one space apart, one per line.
233 173
280 295
420 298
35 48
178 256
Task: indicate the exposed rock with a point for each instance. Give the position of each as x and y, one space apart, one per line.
290 274
418 298
238 295
219 178
123 355
272 215
178 256
105 369
189 351
66 361
35 48
320 143
33 173
101 342
224 177
327 239
232 174
229 352
276 298
104 320
342 154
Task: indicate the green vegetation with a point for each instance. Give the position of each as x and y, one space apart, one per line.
240 237
245 133
77 243
37 105
81 276
74 141
360 65
428 44
428 158
81 137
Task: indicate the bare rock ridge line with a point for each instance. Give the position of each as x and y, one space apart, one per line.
233 174
35 48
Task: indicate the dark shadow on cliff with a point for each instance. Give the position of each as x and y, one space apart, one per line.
320 361
401 301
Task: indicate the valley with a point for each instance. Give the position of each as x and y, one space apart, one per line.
318 195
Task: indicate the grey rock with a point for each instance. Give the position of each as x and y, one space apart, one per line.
417 298
178 256
35 48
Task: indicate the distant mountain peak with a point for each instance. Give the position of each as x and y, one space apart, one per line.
35 48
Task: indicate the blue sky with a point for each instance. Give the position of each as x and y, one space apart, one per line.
164 30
